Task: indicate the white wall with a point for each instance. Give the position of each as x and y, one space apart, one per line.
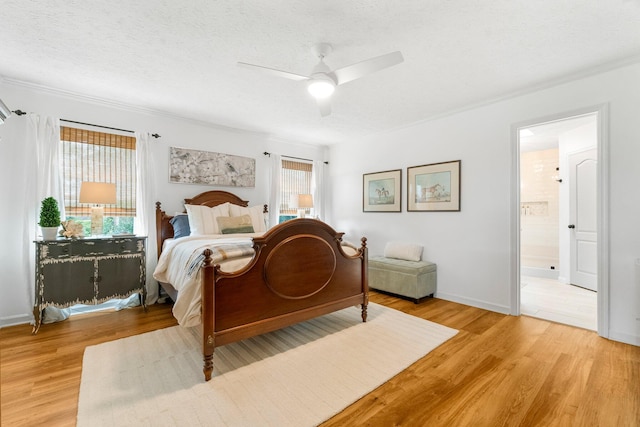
16 300
473 247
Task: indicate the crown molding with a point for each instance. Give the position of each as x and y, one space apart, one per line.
547 84
103 102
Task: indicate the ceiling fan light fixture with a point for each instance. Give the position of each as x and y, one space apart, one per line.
322 81
321 88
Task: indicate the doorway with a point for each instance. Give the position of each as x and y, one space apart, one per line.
558 221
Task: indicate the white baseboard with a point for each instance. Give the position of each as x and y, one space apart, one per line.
473 302
539 272
624 338
19 319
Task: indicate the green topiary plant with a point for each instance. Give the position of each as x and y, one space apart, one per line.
49 213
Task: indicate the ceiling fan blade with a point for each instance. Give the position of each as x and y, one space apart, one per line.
368 66
324 105
274 72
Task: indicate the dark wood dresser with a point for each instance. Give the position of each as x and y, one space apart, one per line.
88 271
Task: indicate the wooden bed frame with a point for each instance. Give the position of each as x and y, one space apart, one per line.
299 271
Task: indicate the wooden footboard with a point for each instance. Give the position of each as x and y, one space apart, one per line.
300 271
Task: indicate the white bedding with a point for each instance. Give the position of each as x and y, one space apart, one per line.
179 262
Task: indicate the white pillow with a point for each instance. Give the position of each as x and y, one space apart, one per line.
255 212
400 250
202 219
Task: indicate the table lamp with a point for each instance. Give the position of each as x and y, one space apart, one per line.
96 194
302 202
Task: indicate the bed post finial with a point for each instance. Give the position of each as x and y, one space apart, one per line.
207 257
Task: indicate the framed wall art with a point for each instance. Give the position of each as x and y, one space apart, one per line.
434 187
205 167
381 191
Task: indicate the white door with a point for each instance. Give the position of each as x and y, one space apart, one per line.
583 168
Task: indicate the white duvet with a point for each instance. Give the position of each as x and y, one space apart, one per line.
179 265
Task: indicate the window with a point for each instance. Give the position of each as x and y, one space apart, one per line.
99 157
295 178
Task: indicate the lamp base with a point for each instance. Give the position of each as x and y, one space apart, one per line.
301 213
97 214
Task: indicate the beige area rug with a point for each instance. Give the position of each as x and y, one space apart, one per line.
298 376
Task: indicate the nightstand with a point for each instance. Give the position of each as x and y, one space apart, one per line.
88 271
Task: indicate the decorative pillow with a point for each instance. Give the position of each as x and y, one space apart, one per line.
235 224
202 219
400 250
255 212
180 224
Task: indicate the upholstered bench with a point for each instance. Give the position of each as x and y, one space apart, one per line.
410 278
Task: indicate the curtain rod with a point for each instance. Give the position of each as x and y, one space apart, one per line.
155 135
266 153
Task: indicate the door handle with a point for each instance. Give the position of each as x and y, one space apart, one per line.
572 226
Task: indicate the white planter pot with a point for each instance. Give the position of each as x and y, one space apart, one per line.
49 233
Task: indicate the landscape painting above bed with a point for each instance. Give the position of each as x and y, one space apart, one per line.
206 167
244 284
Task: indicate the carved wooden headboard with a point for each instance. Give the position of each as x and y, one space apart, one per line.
164 229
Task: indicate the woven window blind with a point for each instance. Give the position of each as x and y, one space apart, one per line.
98 157
295 179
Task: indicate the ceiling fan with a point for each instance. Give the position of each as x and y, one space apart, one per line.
322 81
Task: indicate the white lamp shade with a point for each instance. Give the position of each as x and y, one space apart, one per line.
305 201
301 201
97 193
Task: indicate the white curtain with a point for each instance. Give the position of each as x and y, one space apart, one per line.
317 189
46 133
144 223
274 191
44 136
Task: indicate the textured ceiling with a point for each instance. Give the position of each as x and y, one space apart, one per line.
180 57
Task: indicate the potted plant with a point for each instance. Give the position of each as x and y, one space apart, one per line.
49 218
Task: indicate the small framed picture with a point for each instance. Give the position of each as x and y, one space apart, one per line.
434 187
381 191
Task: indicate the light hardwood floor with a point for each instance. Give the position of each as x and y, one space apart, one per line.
499 370
559 302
